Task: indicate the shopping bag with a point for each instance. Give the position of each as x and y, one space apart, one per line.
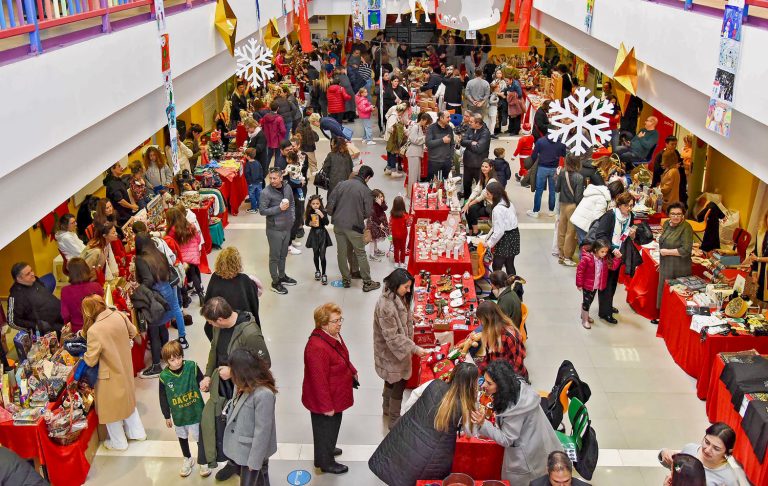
354 152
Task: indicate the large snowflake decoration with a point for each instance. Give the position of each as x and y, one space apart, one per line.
581 123
254 62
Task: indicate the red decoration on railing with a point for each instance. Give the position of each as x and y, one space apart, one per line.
504 17
524 14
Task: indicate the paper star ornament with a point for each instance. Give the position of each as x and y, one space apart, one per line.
625 70
226 24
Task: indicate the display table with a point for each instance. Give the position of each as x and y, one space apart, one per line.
21 439
689 352
441 265
234 191
459 323
479 458
642 287
419 209
137 353
720 409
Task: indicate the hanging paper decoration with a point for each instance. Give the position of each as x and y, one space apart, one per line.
226 24
373 16
581 123
412 8
437 20
475 15
504 17
588 17
287 6
720 111
254 62
357 20
272 36
165 69
524 14
305 34
625 69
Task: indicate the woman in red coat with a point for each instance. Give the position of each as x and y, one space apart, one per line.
337 97
328 382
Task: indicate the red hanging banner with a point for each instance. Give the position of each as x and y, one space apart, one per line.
437 18
525 7
305 36
504 16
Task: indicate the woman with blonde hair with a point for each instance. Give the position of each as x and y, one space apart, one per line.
499 339
229 281
157 173
422 443
319 90
108 333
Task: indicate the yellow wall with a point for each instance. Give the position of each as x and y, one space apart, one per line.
737 185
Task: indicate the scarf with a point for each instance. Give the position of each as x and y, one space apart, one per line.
620 229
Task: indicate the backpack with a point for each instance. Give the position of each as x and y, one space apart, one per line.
586 457
551 405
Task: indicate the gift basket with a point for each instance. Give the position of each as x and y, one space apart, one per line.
70 419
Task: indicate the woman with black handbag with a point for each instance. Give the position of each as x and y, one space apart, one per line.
329 378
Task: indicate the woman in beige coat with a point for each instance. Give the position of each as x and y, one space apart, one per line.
393 343
415 151
109 334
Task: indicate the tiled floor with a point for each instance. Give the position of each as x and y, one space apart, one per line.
641 400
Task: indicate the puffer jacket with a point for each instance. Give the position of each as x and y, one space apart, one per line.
190 251
474 155
337 97
526 435
149 306
393 343
349 100
274 129
585 272
593 205
413 449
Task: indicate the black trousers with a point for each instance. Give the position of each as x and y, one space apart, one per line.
475 212
507 262
514 124
339 117
442 168
158 336
605 296
587 297
325 433
470 174
194 277
298 221
249 477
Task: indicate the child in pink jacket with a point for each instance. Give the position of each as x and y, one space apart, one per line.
364 110
592 275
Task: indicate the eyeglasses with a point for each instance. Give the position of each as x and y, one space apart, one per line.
336 321
676 215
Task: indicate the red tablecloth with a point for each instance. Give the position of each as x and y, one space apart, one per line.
479 482
67 465
479 458
642 287
419 209
470 298
234 191
601 152
685 346
137 354
441 265
720 409
21 439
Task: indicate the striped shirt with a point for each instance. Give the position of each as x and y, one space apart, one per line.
365 71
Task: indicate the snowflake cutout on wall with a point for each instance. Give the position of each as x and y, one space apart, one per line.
254 62
572 123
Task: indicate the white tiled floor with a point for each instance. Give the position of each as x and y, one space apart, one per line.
641 400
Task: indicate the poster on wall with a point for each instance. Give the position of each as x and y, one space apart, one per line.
357 20
720 109
588 17
373 17
165 69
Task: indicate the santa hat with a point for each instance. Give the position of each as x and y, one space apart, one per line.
526 129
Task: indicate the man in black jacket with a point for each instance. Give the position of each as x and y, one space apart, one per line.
31 306
439 141
258 142
477 146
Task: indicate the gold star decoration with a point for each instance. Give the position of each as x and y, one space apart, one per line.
625 70
226 24
272 35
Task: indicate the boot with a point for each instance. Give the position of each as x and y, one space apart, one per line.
394 411
585 319
386 394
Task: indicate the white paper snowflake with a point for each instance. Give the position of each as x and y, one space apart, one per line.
254 62
571 124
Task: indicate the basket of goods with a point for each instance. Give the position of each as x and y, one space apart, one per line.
67 422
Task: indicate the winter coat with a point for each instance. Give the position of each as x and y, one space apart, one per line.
540 124
149 305
391 95
209 423
416 138
364 107
527 436
190 251
328 374
350 204
15 470
349 100
593 205
337 98
439 151
240 292
337 166
474 155
515 106
109 347
269 206
670 187
117 190
503 171
285 109
274 129
573 193
34 307
247 335
259 142
510 303
413 449
585 272
590 173
393 343
254 174
524 146
250 437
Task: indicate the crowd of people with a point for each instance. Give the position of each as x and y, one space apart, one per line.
279 129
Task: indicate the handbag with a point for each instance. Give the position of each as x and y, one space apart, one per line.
321 180
355 382
367 236
586 457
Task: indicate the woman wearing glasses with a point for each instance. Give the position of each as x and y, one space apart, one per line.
329 377
675 245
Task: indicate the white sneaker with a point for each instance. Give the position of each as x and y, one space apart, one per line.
532 214
109 445
186 467
205 471
293 250
297 243
397 174
551 214
568 262
387 171
370 142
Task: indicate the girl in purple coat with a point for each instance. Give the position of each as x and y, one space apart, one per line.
592 275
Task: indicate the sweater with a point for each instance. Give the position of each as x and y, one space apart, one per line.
72 300
641 146
240 292
439 151
269 206
547 153
328 374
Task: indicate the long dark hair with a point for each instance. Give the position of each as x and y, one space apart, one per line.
398 207
250 372
507 384
687 470
148 252
308 212
306 132
491 173
723 432
394 280
497 192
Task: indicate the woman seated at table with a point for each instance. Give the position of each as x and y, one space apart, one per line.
70 245
81 285
713 453
497 338
422 443
505 289
100 255
675 245
477 205
521 426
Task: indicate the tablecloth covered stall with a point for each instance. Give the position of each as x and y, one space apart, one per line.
642 287
721 409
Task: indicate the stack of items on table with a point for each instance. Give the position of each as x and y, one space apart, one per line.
444 311
434 240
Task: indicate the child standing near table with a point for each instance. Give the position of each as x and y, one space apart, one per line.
378 224
254 176
182 403
398 224
592 275
524 150
319 240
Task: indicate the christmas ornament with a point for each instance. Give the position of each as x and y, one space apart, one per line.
570 124
412 7
226 23
272 36
254 62
625 69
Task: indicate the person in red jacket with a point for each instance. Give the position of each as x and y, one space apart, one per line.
524 149
337 97
329 377
398 225
592 275
274 130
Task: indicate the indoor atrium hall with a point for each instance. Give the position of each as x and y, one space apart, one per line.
384 242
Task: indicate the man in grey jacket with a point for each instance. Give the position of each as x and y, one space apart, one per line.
477 93
349 204
439 141
277 205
